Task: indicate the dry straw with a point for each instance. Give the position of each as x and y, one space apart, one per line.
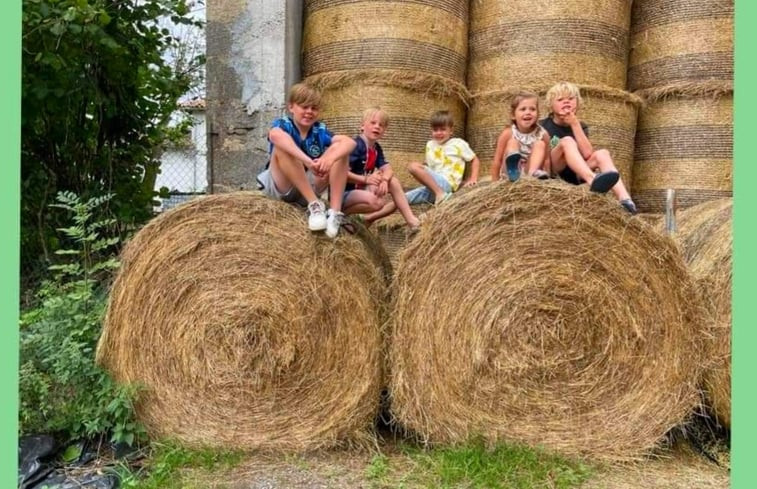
610 113
418 35
541 313
705 236
540 42
676 41
684 141
246 330
408 97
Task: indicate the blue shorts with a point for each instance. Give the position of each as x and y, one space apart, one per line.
423 195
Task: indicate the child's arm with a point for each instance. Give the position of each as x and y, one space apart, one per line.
547 165
341 147
284 142
499 153
474 167
582 140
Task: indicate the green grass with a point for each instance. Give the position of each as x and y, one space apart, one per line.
168 463
476 466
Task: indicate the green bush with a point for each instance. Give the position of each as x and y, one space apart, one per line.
61 389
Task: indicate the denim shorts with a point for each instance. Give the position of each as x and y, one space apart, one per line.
423 195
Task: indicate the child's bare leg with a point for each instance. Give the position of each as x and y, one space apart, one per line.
536 160
601 159
398 196
288 172
419 172
566 153
361 202
337 182
388 208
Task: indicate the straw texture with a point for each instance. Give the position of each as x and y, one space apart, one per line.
584 42
419 36
611 116
541 313
408 98
246 330
684 141
704 233
680 40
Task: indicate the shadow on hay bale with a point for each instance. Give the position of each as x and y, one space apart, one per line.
540 313
705 237
246 330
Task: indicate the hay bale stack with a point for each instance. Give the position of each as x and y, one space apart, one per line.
423 36
705 237
406 56
610 114
684 141
246 330
680 41
408 98
525 43
541 313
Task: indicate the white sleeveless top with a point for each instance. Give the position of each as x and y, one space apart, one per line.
526 140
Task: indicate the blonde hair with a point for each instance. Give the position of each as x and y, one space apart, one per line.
370 112
304 95
560 90
520 97
442 118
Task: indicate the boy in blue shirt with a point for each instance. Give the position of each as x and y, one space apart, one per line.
305 159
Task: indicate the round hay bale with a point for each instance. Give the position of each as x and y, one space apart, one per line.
246 330
704 233
409 99
684 141
610 114
675 41
425 36
541 313
526 42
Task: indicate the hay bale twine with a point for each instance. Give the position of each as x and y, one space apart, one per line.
610 114
246 330
424 36
704 233
541 313
680 41
409 99
684 141
536 43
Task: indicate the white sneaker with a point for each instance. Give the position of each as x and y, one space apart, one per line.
316 216
333 222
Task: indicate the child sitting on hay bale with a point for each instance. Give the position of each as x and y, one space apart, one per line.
370 176
572 155
524 143
305 158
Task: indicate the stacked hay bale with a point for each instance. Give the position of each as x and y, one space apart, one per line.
407 56
681 63
537 312
705 237
585 43
245 330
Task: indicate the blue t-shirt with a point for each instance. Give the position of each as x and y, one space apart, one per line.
314 144
359 158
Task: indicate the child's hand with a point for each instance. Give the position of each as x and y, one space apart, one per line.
569 117
374 179
321 167
381 189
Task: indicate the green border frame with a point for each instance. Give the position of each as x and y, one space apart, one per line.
10 149
744 427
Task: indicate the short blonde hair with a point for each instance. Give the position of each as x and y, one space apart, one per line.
561 89
378 112
304 95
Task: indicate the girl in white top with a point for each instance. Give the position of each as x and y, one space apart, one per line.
524 145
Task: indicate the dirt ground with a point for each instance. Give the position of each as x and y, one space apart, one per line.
680 468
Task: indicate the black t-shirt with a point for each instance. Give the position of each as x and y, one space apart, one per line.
557 132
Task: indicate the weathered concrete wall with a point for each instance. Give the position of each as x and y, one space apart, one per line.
253 49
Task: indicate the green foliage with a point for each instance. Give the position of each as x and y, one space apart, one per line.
378 467
503 466
61 389
168 463
97 96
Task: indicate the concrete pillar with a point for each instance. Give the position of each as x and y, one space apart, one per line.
253 57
